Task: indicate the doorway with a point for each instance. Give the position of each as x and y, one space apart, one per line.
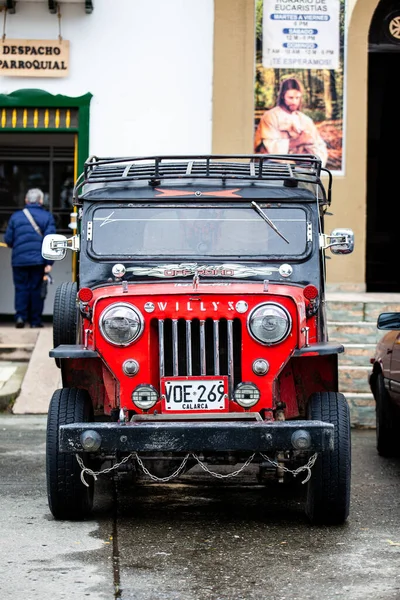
44 142
37 160
383 235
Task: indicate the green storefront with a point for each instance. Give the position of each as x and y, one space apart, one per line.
44 142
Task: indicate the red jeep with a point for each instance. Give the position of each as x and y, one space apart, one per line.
196 330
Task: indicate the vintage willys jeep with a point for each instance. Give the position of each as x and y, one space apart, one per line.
196 330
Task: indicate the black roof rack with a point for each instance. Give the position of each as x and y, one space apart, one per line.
291 169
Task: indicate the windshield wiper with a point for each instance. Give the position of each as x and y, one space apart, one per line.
268 220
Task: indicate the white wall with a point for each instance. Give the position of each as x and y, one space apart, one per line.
148 64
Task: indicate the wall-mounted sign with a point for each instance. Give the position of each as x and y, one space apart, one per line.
301 35
34 58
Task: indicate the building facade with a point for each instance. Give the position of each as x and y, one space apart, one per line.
145 77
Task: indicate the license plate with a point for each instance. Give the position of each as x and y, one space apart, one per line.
194 394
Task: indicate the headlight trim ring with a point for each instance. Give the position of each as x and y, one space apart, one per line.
280 307
122 305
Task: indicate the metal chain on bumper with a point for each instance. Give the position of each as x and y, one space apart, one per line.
307 467
94 474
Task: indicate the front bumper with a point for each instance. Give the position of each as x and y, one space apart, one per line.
259 436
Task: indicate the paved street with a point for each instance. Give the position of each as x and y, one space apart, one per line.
194 540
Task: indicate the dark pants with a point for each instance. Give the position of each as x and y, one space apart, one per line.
28 297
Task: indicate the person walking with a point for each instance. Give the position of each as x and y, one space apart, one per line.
285 129
24 234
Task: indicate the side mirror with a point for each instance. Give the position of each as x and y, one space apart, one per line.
341 241
389 321
54 246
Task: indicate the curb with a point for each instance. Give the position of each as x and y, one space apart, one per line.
41 379
17 353
11 389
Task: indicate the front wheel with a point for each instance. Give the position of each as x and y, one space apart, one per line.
328 491
68 497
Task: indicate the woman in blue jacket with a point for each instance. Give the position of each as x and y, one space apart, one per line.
25 231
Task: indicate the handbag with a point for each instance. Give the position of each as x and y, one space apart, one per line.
32 221
47 279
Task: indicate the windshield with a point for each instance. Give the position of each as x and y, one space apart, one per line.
199 231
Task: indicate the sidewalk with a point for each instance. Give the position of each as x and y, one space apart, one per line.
28 376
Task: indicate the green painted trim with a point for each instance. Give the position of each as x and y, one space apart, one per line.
41 99
83 136
35 98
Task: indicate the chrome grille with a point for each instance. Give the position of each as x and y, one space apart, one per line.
200 347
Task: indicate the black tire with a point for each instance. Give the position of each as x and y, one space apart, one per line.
67 496
65 315
328 491
387 422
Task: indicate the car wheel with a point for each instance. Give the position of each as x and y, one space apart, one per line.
67 496
391 27
328 491
65 315
387 423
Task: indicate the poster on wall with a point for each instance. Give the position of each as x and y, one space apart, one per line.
299 78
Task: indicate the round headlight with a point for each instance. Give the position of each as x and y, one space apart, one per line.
144 396
121 324
269 323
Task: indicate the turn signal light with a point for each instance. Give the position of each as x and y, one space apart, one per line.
85 295
310 292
